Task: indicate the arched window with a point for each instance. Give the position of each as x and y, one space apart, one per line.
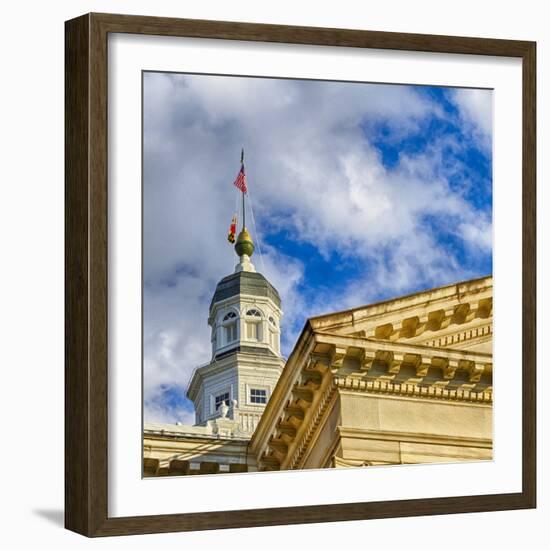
229 323
272 322
254 325
230 315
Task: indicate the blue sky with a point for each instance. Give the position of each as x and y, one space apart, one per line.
361 192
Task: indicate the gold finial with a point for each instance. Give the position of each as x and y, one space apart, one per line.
244 244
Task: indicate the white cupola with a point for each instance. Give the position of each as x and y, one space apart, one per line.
245 318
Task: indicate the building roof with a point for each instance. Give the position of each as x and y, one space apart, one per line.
406 305
246 349
245 282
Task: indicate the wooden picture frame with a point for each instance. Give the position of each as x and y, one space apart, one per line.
86 359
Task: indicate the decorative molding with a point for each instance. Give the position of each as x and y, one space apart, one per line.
438 320
482 332
313 425
454 316
303 399
414 390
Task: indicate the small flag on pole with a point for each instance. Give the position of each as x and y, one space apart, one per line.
240 182
232 230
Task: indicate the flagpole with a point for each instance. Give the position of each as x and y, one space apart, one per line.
244 211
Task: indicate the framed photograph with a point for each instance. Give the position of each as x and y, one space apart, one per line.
296 258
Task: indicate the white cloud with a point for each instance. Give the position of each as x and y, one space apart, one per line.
478 235
476 110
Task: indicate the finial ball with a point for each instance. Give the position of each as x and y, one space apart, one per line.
244 243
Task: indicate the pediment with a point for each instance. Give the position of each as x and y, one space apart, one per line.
458 316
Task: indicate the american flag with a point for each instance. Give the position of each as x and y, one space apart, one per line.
240 182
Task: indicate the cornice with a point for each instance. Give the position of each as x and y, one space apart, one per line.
413 390
460 335
312 428
169 435
298 420
282 390
338 347
418 317
241 360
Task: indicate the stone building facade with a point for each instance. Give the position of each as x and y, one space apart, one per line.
403 381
